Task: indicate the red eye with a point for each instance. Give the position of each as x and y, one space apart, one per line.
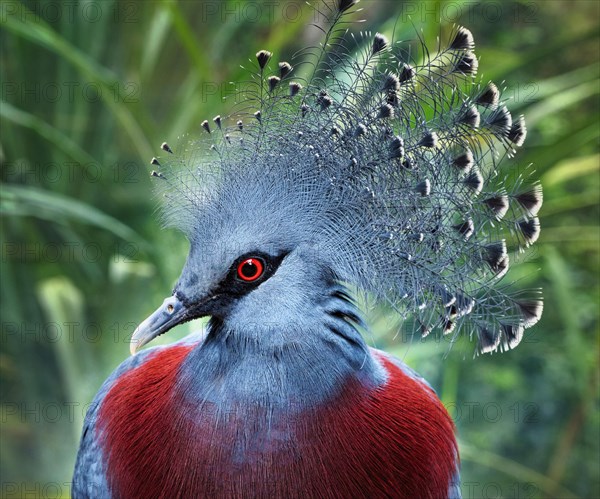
250 269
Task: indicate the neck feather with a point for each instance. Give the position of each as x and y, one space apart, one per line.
296 366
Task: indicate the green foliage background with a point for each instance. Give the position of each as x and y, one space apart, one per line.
89 91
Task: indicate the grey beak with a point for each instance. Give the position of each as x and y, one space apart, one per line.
168 315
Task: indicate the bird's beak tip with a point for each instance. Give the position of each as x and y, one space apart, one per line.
168 315
133 348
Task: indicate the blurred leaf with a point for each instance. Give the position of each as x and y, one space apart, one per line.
187 38
568 169
159 27
47 131
38 32
30 201
519 472
561 100
63 304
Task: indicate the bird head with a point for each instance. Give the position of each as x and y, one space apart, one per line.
261 244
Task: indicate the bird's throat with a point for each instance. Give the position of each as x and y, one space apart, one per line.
230 371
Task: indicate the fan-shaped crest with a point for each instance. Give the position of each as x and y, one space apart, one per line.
392 167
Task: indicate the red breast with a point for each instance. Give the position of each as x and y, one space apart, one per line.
393 441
